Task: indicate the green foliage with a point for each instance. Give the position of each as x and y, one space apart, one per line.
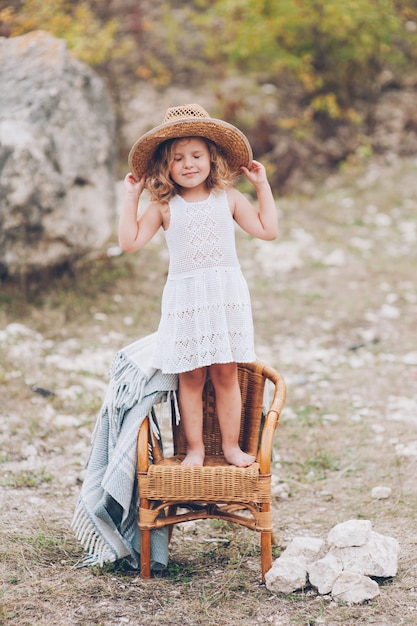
91 40
323 63
334 49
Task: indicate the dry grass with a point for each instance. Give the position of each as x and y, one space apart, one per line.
335 303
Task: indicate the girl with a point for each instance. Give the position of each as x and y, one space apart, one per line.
188 164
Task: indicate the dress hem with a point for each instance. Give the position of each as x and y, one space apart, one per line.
191 369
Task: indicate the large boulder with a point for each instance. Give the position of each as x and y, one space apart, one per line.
57 156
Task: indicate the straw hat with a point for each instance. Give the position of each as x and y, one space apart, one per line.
191 120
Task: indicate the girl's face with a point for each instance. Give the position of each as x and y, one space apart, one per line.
190 165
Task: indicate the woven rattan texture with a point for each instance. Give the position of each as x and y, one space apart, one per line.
185 111
252 389
170 480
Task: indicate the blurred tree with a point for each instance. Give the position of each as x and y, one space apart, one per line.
336 50
92 40
321 63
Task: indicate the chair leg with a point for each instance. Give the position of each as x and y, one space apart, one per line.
266 553
172 510
145 553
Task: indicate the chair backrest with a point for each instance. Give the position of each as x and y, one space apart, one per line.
252 382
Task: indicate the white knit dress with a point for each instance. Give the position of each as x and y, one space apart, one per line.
206 312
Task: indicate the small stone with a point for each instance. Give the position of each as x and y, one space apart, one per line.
325 495
323 573
387 311
351 533
354 588
378 557
279 489
410 358
306 547
381 493
287 575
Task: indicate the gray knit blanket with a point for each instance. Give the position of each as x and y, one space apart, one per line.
106 513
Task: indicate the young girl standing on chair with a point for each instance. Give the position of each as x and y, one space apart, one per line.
188 164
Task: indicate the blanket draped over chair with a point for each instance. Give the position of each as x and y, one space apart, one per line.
106 513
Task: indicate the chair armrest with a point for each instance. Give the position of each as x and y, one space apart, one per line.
267 439
143 442
271 420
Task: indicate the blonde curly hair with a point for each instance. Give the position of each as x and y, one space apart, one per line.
162 187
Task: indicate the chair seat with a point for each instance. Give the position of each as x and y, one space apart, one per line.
216 480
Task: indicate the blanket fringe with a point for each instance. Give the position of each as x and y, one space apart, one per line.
126 387
96 548
172 395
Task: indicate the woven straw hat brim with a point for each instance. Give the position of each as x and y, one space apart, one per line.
231 141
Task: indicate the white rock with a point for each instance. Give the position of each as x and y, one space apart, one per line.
57 155
67 421
378 557
387 311
307 547
381 493
323 573
20 330
29 451
279 489
410 358
354 589
354 532
287 575
336 258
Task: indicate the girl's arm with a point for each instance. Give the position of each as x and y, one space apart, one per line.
135 232
262 224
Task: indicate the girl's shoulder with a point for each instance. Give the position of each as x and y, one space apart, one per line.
233 196
155 211
157 206
162 210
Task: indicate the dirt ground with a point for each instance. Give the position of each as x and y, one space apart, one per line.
335 307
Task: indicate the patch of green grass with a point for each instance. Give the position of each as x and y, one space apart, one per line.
179 572
121 568
220 524
26 479
320 464
42 546
311 468
13 580
308 415
36 429
41 539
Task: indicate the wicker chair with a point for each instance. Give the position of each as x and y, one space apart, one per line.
216 490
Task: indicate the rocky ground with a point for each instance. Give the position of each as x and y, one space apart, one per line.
335 306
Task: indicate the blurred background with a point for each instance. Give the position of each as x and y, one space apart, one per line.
305 80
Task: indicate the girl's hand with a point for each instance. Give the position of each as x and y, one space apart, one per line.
256 174
134 186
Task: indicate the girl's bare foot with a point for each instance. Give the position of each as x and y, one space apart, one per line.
193 458
238 458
